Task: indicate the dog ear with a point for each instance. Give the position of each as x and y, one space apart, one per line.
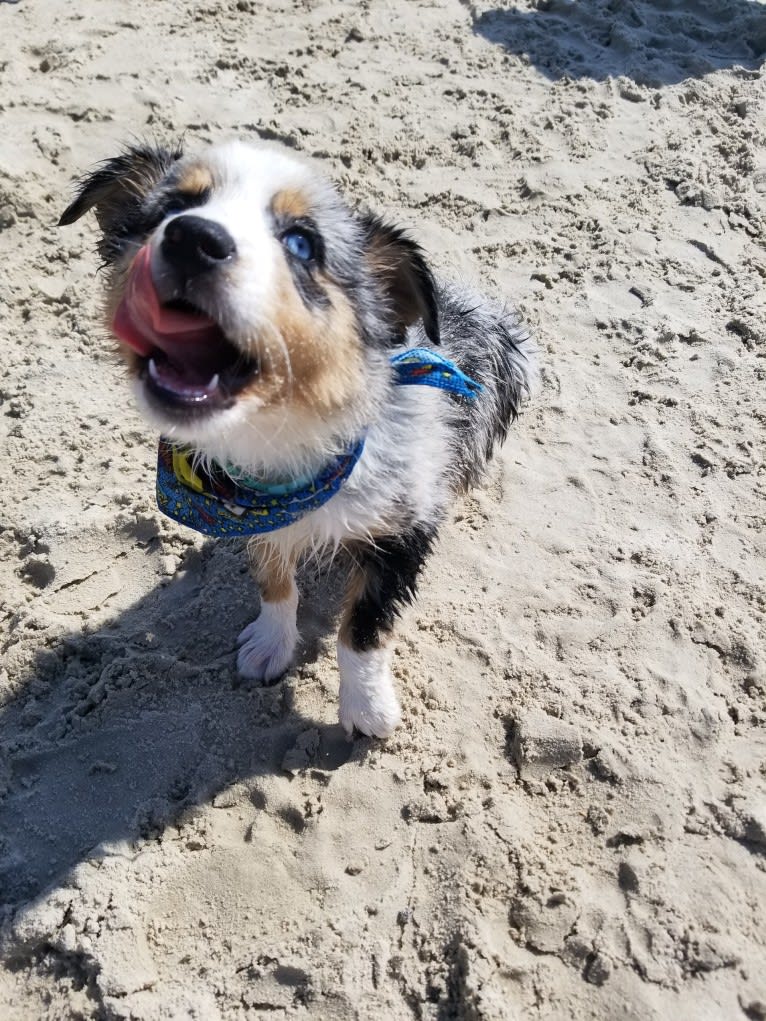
119 184
399 266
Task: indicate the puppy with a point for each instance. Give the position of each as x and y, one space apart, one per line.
313 385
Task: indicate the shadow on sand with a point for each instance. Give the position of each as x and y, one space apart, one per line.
654 43
120 731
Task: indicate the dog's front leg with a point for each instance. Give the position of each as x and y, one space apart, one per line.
383 581
267 646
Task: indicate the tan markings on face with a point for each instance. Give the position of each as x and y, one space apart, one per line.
311 357
290 202
195 180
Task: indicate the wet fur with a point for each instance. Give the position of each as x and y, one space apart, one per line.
324 339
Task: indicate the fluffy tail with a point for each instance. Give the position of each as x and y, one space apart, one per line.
489 343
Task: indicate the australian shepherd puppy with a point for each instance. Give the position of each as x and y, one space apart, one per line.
260 317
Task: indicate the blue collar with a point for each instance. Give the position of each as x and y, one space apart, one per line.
225 502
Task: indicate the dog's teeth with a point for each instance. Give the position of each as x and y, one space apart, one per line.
172 380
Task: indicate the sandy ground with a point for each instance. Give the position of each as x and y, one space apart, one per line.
571 822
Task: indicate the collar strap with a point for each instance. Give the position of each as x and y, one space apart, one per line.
421 367
225 502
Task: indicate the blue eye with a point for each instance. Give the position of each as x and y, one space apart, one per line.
299 244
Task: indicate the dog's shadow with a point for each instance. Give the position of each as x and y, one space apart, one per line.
121 730
653 43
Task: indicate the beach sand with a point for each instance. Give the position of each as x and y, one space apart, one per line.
571 821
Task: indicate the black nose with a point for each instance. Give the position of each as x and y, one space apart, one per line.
194 245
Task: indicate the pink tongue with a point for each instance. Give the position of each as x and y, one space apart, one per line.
143 324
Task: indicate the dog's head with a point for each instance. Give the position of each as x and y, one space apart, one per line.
251 303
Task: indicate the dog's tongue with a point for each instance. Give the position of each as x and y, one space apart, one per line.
143 324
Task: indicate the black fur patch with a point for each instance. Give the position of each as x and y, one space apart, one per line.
117 189
308 287
390 568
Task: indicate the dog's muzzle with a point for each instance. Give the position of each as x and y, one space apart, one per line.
184 359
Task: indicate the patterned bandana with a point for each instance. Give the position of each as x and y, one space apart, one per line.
225 502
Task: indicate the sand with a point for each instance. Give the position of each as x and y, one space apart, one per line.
571 821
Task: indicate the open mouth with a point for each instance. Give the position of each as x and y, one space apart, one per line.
184 358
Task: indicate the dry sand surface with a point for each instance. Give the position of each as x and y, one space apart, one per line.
571 821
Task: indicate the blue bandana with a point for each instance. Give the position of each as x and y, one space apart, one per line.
225 502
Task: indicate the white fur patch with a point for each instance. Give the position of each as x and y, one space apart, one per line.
368 701
267 646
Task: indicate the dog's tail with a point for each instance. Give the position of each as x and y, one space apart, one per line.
490 344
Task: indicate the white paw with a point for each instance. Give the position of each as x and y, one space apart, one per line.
368 701
267 646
